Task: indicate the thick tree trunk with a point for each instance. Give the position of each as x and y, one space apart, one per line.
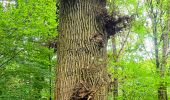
81 51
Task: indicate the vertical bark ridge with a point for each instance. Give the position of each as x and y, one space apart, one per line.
80 60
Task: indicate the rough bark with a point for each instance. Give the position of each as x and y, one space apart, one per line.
81 51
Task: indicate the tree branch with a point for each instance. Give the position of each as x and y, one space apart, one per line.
10 58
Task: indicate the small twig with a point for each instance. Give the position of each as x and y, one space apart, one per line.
123 44
148 53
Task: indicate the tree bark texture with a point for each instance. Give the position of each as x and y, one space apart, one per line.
81 51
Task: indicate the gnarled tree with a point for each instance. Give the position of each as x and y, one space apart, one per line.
81 51
84 28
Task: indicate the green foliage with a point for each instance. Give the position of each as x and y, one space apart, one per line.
26 64
136 71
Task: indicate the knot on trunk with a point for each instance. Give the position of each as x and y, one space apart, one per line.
98 40
113 23
83 92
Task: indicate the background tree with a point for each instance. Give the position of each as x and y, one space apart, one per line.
25 27
165 45
156 16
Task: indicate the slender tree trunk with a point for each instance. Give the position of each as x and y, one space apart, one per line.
155 38
81 51
50 80
115 83
162 91
115 58
156 42
165 38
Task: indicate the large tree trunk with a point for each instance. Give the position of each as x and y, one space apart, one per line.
81 51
